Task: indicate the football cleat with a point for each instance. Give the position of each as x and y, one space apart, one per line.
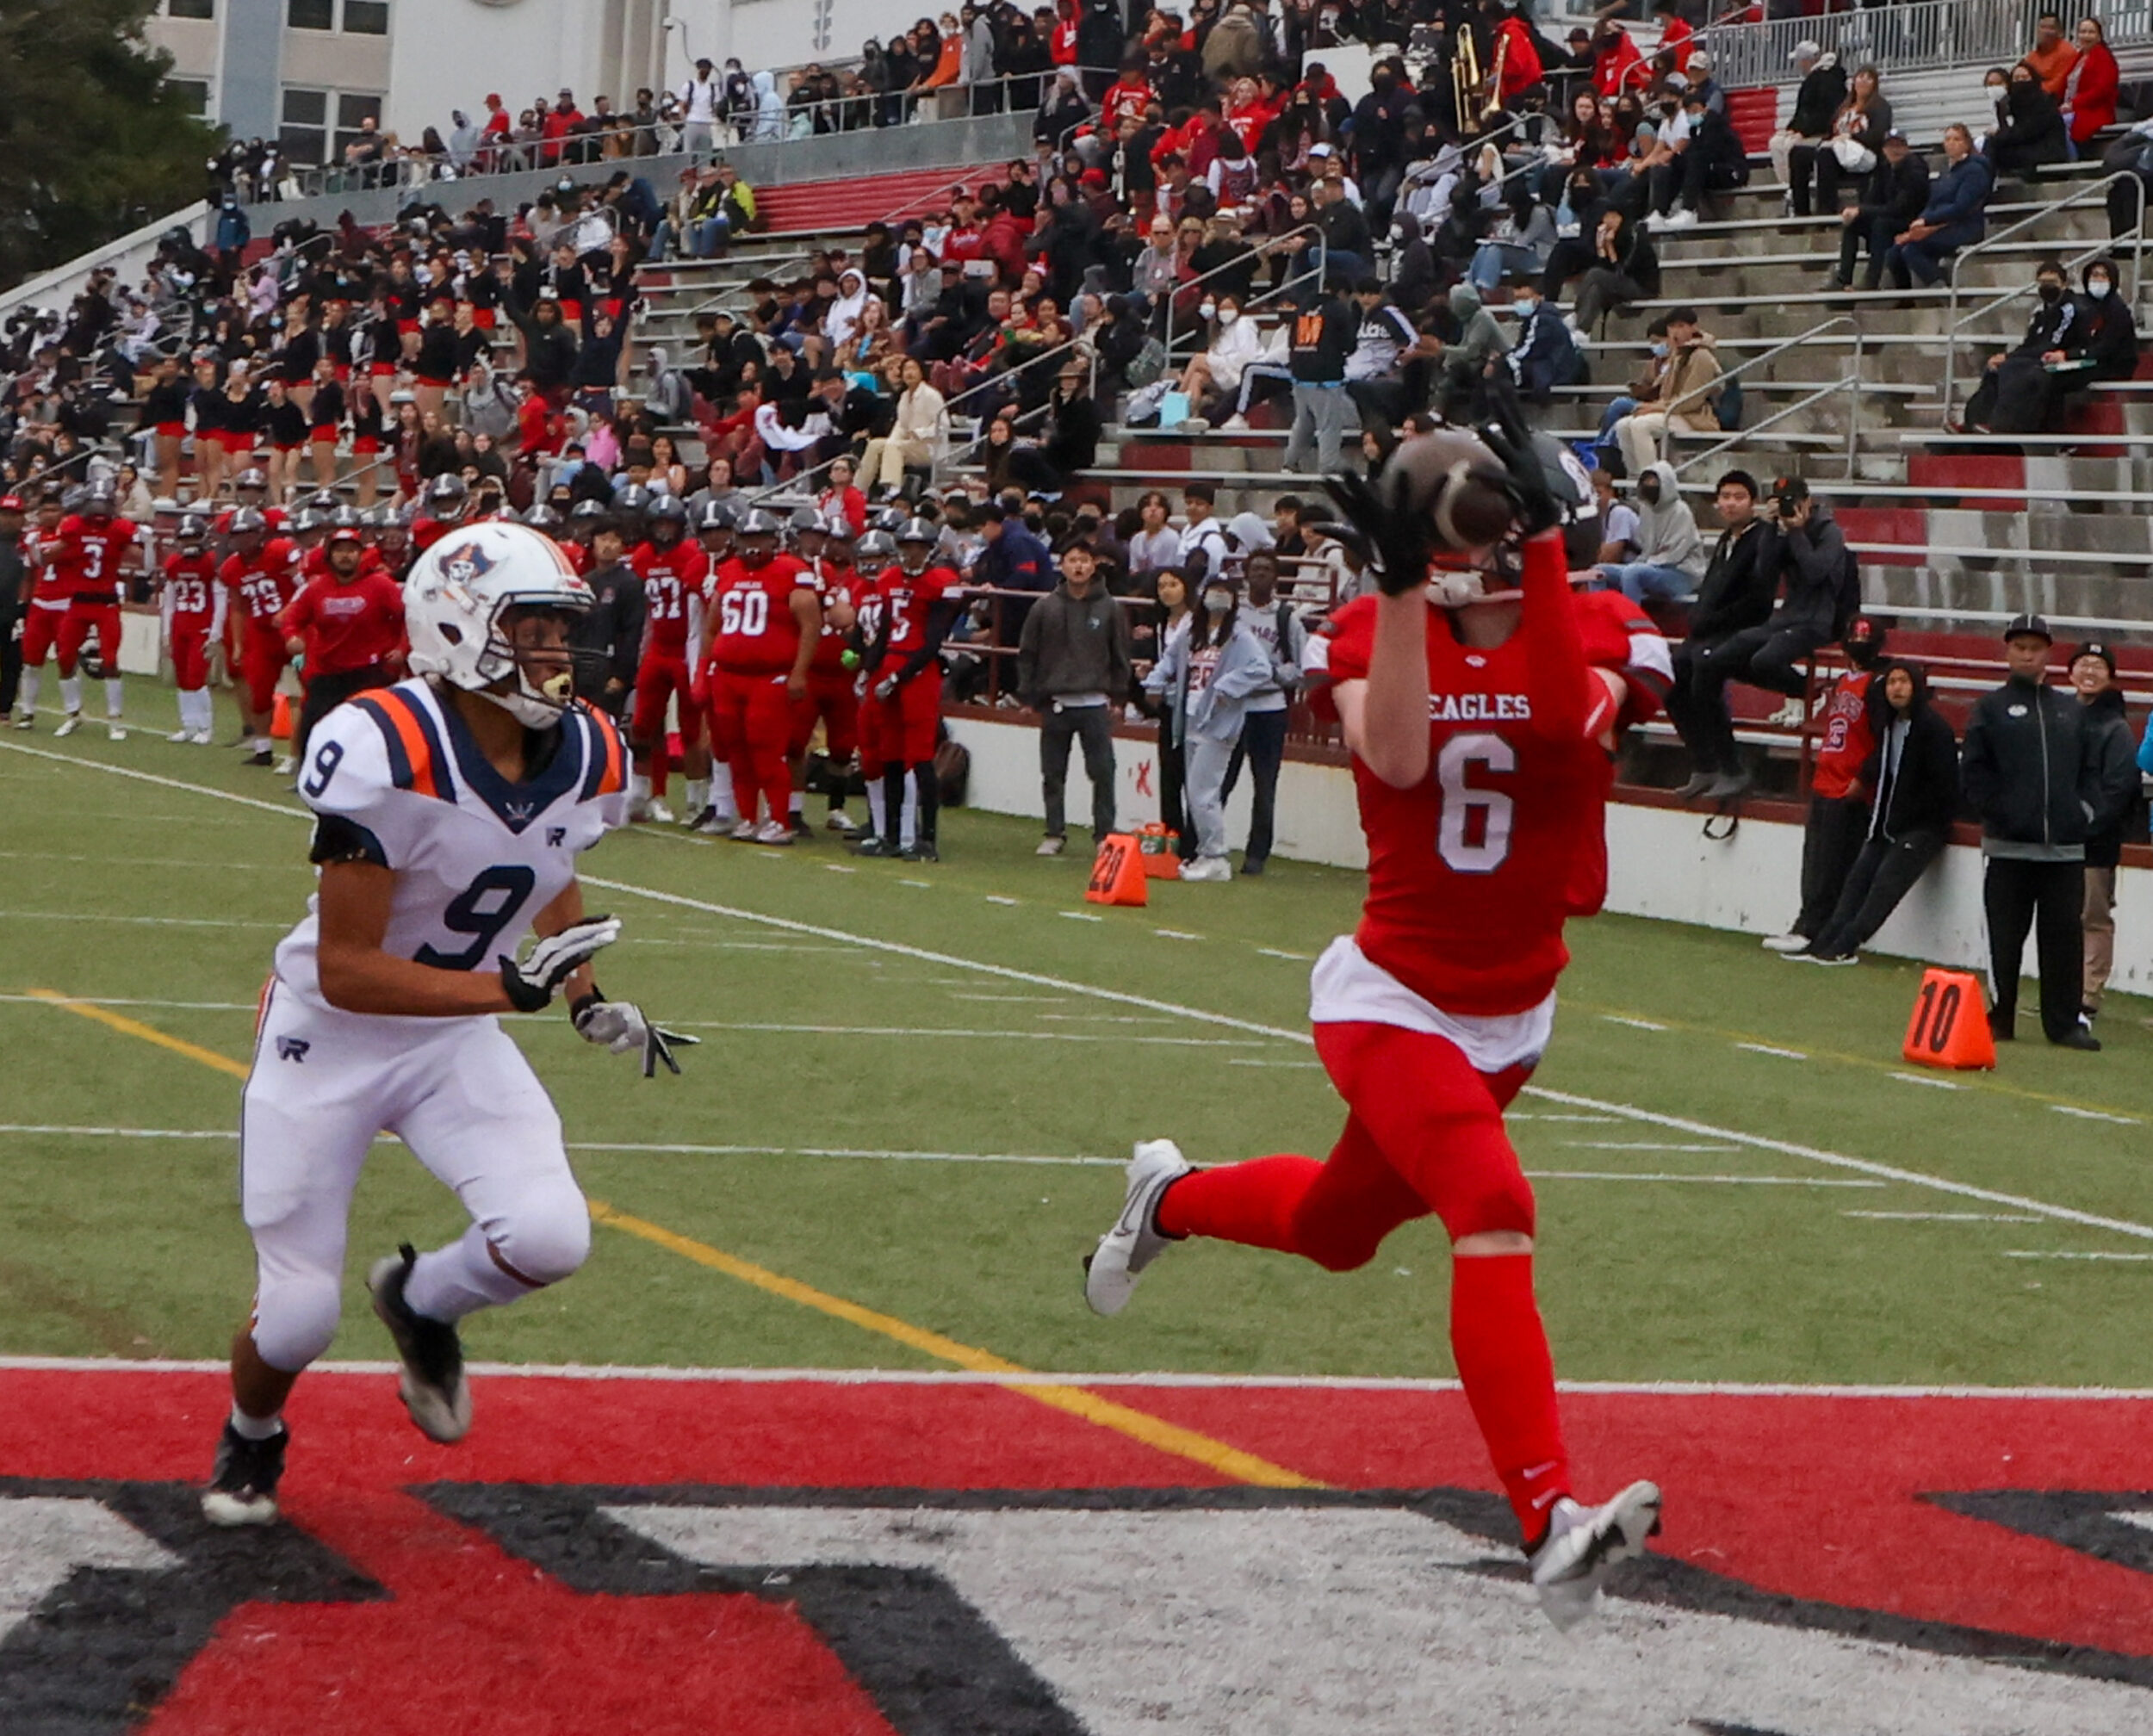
68 725
181 735
872 844
800 827
286 766
1111 1269
432 1383
921 852
243 1488
26 720
839 821
744 830
263 758
1584 1542
772 832
657 813
717 824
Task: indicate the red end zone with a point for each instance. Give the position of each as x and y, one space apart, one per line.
494 1594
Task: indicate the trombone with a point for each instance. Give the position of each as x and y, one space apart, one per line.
1475 95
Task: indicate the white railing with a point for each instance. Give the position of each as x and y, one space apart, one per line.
1928 35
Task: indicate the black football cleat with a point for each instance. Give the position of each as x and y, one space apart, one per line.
924 851
243 1488
432 1383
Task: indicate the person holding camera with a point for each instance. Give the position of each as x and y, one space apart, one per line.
1804 556
2042 781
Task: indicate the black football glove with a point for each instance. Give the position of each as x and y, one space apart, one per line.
1523 480
1402 541
553 960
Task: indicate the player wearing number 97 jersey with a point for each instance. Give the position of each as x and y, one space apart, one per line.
1482 728
450 810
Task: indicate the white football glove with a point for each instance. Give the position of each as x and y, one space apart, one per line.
620 1025
886 687
552 960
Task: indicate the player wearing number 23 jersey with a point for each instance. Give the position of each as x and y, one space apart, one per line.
450 810
1483 841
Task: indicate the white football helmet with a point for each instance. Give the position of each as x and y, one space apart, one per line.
454 600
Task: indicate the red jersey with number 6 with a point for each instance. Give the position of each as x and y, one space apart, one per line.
1473 872
749 609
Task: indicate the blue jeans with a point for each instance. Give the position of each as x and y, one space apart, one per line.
1638 579
1922 259
707 239
1491 258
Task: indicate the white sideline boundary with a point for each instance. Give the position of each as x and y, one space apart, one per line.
1161 1381
1887 1172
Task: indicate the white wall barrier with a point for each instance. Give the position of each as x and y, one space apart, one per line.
1660 864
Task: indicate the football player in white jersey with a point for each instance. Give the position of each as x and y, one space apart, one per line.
450 810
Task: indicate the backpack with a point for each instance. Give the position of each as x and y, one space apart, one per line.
1148 364
1729 406
952 771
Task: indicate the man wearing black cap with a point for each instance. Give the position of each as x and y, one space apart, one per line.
2033 772
2092 678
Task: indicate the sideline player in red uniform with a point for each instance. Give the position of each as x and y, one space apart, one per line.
347 625
825 546
760 618
447 504
85 553
1482 733
192 605
44 603
907 690
262 576
673 570
876 553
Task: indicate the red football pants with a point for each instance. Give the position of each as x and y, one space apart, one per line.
41 630
191 657
1423 1134
867 735
657 681
751 728
262 660
75 628
830 701
911 717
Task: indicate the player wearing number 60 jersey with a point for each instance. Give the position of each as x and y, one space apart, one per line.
1482 728
451 808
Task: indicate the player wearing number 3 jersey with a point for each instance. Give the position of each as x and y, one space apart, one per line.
1482 727
450 810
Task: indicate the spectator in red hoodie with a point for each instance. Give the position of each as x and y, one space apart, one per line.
2089 88
561 120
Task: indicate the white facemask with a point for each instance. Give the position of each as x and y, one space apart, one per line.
1228 317
1209 309
2099 288
1218 602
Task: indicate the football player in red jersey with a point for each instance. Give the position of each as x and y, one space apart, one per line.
759 618
45 590
261 576
88 549
917 602
1482 730
446 504
876 553
672 568
825 547
192 604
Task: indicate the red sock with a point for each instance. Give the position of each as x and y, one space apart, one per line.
1501 1350
1251 1203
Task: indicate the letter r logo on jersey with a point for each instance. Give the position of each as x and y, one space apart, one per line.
292 1048
556 836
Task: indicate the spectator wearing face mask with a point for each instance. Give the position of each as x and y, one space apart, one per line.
2020 390
1263 743
1685 399
1544 353
1207 673
1670 558
1912 772
2105 340
1838 806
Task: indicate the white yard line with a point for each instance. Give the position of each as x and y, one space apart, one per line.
930 1031
1778 1054
1633 1024
118 1001
1722 1181
1637 1146
138 922
2059 1253
1946 1217
1010 973
2092 1114
1923 1079
1162 1380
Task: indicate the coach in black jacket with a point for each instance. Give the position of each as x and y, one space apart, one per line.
1914 772
1898 193
2033 772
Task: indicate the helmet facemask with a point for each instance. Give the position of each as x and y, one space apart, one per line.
528 663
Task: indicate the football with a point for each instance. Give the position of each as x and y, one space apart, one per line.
1451 475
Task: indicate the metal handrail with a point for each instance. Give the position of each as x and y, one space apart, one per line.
1285 282
1850 383
1953 320
1928 35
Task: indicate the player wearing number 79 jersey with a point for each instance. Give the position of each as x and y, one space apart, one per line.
450 810
1482 727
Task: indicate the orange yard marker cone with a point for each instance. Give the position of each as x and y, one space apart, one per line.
1117 873
1949 1025
280 720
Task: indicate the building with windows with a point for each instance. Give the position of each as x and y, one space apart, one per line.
310 72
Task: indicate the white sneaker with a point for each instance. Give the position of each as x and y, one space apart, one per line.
116 731
657 813
1682 218
26 720
1785 943
201 739
1234 423
744 830
1207 868
1791 715
714 824
286 766
1584 1542
1051 846
1111 1272
774 831
181 735
68 725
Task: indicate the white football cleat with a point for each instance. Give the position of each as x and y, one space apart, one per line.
1111 1272
1785 943
26 720
68 725
715 824
286 766
432 1380
774 831
1584 1542
744 832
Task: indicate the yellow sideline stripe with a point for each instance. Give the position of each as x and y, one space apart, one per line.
1139 1425
148 1033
